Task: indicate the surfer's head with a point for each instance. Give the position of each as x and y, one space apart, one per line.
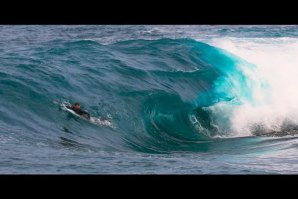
77 105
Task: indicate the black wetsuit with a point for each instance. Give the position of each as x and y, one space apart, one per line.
79 112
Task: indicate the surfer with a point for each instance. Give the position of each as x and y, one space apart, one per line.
77 109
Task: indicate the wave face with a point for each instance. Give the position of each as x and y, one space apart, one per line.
193 91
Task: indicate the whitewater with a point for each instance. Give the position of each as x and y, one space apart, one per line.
167 99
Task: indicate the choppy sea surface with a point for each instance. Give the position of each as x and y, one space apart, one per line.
198 99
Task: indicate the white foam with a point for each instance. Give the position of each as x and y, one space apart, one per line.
276 62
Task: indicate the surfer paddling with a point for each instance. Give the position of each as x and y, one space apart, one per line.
77 109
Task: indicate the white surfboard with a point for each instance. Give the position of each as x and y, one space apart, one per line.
93 120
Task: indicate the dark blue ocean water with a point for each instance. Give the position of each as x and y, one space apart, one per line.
181 99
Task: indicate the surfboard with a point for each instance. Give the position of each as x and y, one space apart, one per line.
93 120
65 108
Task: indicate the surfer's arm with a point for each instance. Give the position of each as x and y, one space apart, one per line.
84 113
87 115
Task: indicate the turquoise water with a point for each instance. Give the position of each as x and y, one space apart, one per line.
181 99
